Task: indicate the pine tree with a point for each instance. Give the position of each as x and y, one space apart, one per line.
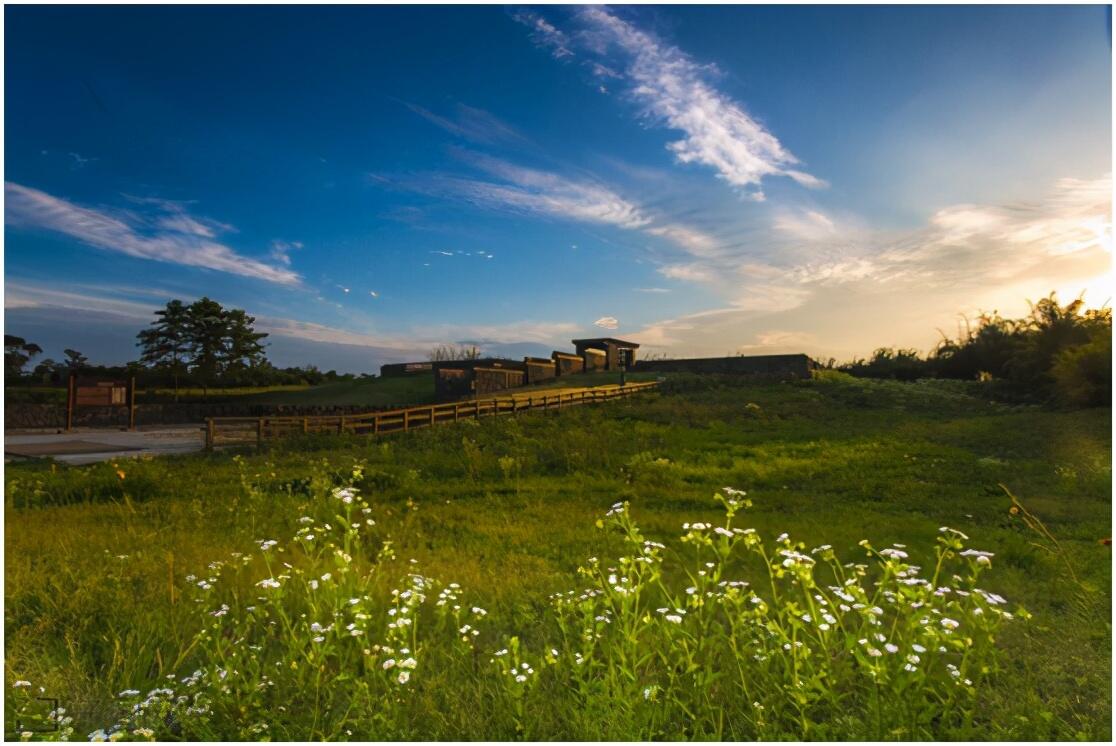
243 349
74 359
17 352
206 327
166 344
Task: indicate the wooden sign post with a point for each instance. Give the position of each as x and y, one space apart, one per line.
88 393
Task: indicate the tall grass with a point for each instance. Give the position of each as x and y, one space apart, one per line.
98 602
728 635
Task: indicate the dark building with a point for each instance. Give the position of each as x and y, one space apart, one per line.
539 369
492 380
594 359
617 353
783 366
454 379
566 364
404 369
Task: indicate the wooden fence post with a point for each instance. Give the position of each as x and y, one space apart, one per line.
209 434
406 419
132 403
71 400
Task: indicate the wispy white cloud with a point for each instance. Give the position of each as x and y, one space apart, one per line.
545 34
675 91
692 272
652 290
470 123
531 191
164 238
693 241
414 341
773 338
607 322
809 225
19 294
829 277
80 160
281 251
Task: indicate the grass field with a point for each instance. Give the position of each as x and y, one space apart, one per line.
105 568
374 393
57 394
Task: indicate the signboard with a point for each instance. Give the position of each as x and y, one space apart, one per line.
92 393
102 394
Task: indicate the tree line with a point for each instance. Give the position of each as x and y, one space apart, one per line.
197 344
1056 353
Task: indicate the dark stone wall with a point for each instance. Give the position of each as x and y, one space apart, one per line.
391 370
490 380
787 366
594 360
540 370
567 365
452 383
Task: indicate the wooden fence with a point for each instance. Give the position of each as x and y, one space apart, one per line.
242 431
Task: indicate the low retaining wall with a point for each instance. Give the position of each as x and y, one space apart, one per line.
28 416
790 366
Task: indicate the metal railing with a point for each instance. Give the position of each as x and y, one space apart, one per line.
242 431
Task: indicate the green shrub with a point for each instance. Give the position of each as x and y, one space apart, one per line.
1083 375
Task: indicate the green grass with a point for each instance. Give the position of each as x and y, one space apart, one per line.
370 392
507 509
57 394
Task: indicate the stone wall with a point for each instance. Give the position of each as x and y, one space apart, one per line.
594 359
786 366
489 380
567 365
539 370
452 383
392 370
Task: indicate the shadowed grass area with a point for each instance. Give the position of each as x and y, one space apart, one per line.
371 392
96 600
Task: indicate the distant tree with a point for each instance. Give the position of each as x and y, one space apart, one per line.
886 362
453 352
206 327
1083 374
210 343
75 359
17 353
1056 353
166 344
243 349
48 371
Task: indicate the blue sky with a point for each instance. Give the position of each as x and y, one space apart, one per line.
370 182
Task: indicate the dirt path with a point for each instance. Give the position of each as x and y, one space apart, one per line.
87 445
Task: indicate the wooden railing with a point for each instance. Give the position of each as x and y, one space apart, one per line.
241 431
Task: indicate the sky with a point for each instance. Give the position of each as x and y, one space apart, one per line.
370 182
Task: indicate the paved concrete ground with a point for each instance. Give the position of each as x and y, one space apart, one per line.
87 445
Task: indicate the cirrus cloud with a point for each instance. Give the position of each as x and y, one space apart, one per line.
176 238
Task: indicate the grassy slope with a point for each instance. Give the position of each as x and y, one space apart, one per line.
829 461
372 392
